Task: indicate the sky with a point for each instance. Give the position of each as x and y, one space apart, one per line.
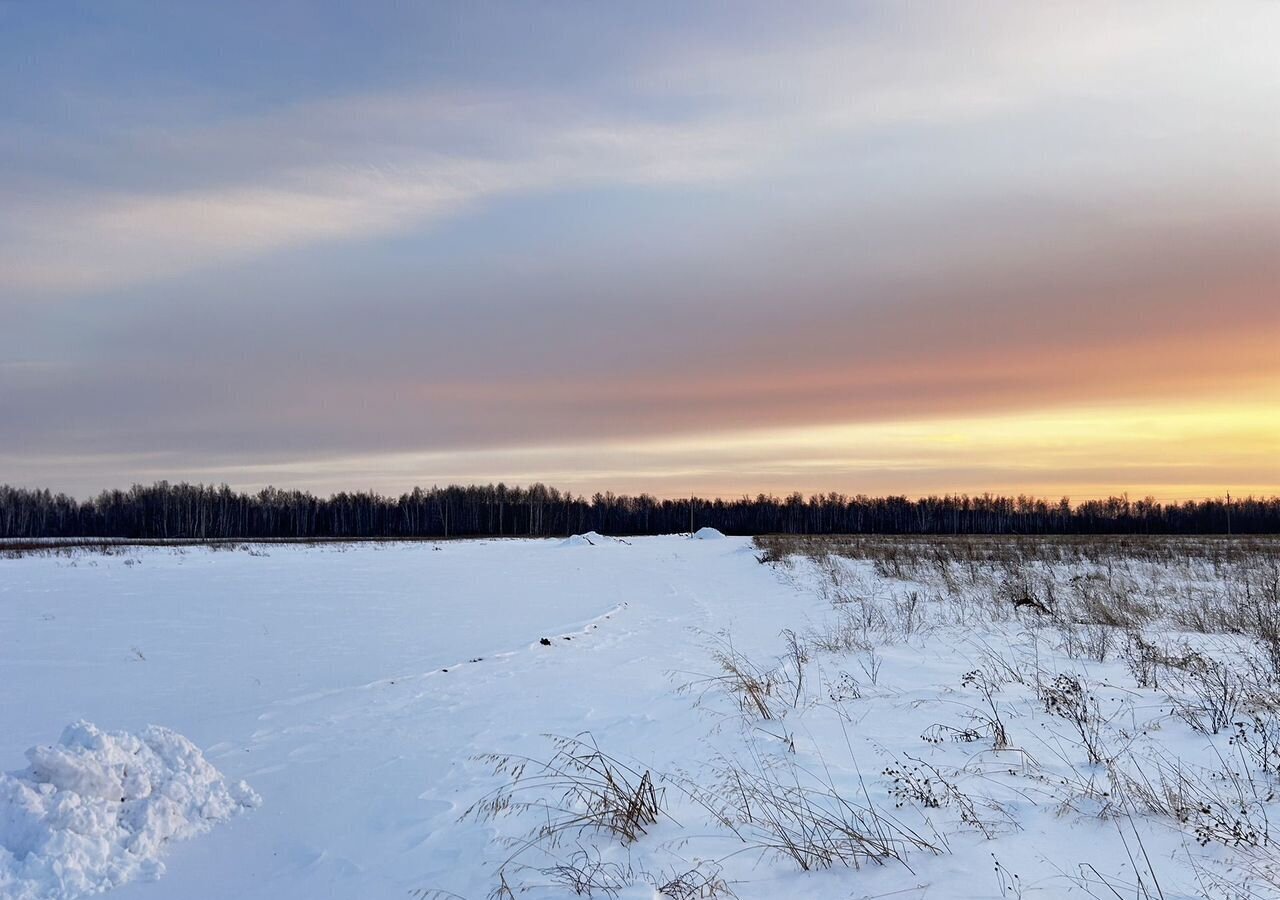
722 248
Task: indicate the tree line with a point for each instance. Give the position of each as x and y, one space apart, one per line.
206 512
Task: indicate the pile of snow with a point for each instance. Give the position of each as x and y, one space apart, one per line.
590 538
95 810
706 533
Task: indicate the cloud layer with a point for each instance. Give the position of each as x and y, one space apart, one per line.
690 232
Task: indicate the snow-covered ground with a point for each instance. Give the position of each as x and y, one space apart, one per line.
897 731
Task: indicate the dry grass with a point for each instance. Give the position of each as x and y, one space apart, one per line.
579 788
761 691
780 808
1194 621
897 556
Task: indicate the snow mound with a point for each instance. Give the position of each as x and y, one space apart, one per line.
95 810
707 533
590 538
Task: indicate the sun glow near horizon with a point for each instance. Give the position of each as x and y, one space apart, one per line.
1168 450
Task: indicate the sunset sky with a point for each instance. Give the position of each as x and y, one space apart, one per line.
723 248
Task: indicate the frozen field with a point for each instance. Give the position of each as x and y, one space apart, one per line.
851 719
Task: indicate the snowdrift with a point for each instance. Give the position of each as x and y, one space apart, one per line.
95 810
707 533
590 538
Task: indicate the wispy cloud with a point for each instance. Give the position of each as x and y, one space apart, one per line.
108 240
365 165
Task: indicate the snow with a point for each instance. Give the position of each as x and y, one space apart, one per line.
707 533
359 688
588 539
95 810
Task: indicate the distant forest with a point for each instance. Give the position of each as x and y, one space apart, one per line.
173 511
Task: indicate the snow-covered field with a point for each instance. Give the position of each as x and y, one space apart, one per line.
608 717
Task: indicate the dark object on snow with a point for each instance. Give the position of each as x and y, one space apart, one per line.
1027 600
546 642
